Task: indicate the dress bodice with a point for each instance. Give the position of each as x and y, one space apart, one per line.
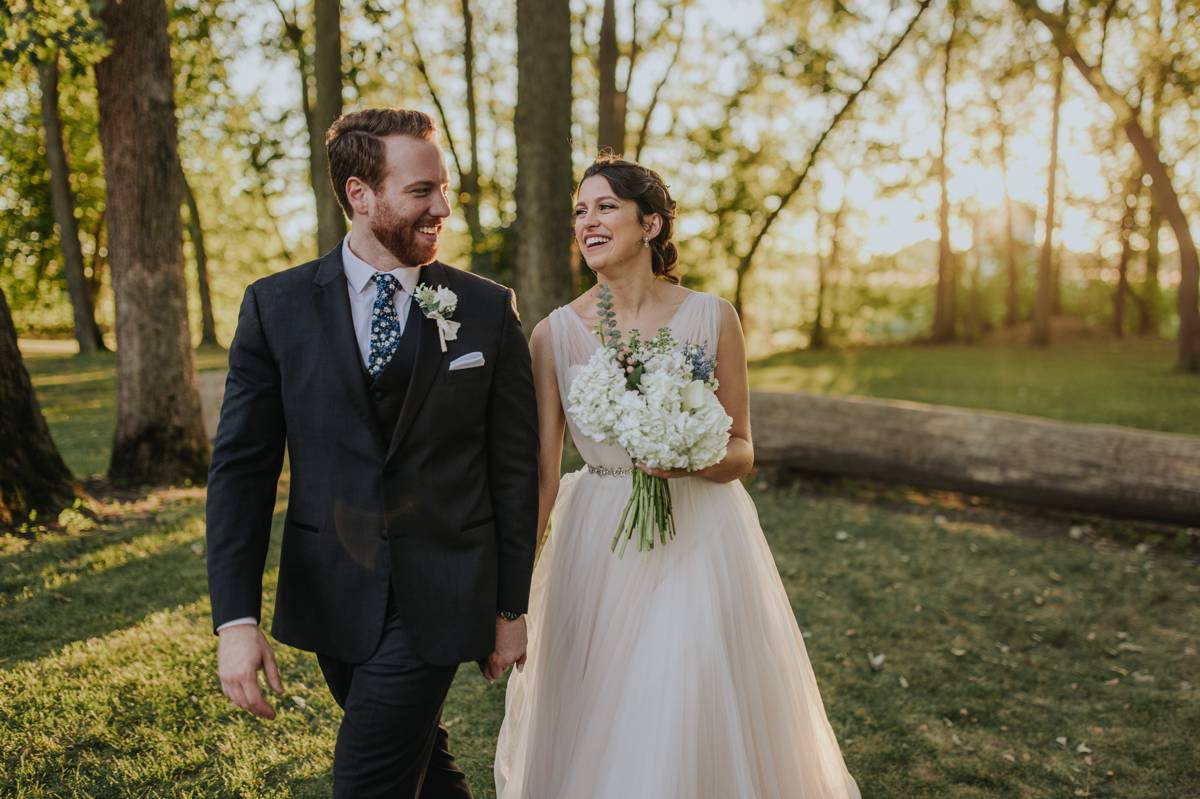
697 320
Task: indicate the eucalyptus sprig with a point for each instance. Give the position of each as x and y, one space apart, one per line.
607 324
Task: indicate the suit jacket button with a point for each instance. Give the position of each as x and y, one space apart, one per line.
383 534
379 394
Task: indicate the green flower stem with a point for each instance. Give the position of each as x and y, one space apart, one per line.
648 512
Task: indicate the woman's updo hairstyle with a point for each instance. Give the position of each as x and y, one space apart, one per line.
632 181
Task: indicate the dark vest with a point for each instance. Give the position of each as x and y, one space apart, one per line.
387 392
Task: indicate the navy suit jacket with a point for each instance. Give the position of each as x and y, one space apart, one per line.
442 509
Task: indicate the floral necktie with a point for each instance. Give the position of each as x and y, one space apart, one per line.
385 324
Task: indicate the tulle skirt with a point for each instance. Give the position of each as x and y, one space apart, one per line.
678 673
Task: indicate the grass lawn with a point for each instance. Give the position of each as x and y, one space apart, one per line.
1019 661
1080 379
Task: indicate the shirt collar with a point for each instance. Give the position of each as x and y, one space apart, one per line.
359 272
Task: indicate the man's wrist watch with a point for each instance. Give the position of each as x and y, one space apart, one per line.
508 615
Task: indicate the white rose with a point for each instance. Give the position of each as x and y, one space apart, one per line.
693 395
446 300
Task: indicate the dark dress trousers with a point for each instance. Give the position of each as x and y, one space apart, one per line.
412 506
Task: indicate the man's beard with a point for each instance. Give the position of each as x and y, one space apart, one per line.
401 239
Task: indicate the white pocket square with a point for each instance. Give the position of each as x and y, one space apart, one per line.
469 361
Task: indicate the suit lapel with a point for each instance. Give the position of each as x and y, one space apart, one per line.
428 360
337 325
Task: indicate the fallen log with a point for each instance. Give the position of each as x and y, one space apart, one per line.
1088 467
1095 468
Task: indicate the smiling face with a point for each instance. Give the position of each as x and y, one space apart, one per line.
405 212
607 227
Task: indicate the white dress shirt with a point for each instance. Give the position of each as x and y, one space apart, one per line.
362 290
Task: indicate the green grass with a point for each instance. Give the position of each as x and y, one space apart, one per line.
1131 382
1001 635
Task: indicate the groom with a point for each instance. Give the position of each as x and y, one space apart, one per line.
410 428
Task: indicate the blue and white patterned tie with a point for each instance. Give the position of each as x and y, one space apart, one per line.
385 324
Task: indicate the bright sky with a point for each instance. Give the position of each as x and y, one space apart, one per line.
893 222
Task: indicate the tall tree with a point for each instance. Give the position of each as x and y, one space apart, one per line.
746 260
1043 304
159 436
1012 272
195 228
327 74
466 166
321 81
87 333
543 134
945 312
1188 296
33 478
611 127
613 101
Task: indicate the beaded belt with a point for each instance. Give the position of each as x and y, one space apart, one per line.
610 471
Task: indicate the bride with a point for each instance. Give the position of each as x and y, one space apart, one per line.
680 672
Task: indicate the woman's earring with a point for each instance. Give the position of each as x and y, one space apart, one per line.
645 241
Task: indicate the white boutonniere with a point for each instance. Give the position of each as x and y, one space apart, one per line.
438 304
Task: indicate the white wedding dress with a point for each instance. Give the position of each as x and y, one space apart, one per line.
678 673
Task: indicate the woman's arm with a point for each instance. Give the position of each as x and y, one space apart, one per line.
551 423
734 394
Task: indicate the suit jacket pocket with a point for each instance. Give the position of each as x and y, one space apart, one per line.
476 524
303 526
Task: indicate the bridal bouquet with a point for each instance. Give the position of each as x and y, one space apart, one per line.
657 401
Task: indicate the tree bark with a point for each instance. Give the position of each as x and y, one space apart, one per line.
1012 273
1043 305
1086 467
1161 184
327 71
944 312
87 333
544 179
34 480
611 128
208 327
1148 322
469 178
159 436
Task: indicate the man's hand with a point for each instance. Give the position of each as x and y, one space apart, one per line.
243 650
510 649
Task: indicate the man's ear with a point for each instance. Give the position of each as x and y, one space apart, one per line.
359 194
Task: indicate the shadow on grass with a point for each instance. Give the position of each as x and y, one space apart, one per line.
79 587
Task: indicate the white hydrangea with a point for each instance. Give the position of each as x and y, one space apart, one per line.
671 421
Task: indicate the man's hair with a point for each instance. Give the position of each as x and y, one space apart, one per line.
354 143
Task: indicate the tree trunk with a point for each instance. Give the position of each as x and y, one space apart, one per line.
208 328
327 70
469 178
974 316
159 436
944 305
87 333
543 134
33 478
825 269
1086 467
95 274
1127 219
611 128
1043 305
1148 322
1012 273
1161 184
